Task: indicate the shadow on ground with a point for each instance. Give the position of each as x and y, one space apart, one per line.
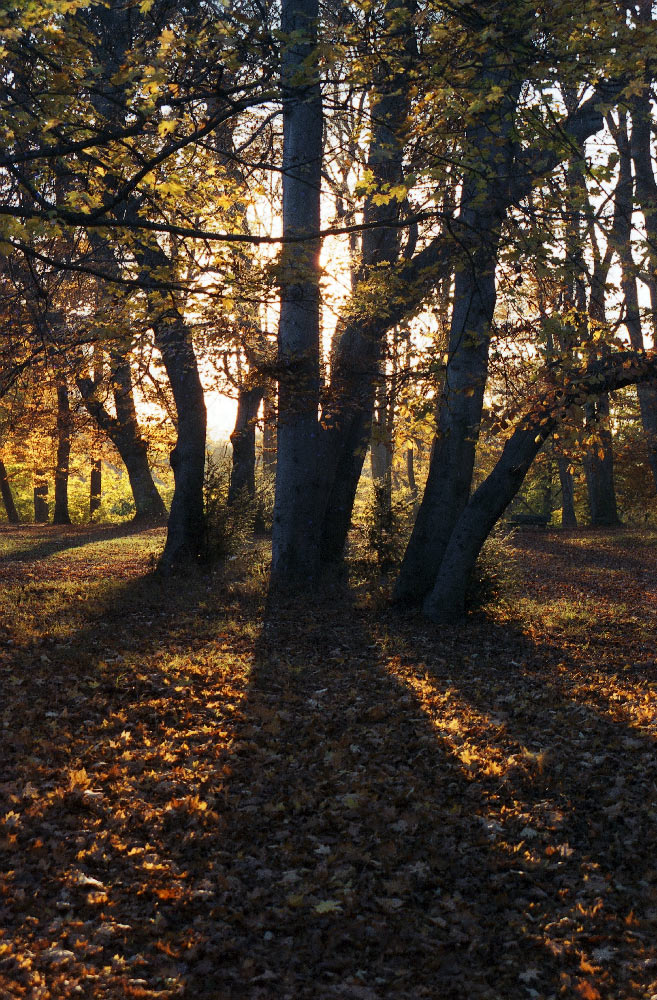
344 805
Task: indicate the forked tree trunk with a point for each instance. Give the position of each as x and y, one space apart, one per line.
598 460
357 357
124 433
7 496
484 202
495 183
446 601
64 424
452 461
296 527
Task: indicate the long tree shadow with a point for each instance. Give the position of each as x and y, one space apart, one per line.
577 549
566 762
43 541
380 858
342 808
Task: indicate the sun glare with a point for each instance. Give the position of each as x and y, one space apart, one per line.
222 410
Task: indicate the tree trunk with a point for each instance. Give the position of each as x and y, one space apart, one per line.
568 515
185 528
356 363
381 464
484 202
269 433
123 431
349 428
599 461
95 487
7 496
351 399
446 602
41 510
148 502
64 424
599 468
381 445
296 527
452 461
410 471
647 393
242 477
625 202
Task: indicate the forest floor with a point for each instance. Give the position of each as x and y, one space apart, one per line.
348 803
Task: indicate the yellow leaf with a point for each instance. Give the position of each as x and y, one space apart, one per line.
167 38
174 188
329 906
167 127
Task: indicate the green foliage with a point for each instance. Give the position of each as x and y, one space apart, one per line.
218 538
117 504
494 577
382 527
228 527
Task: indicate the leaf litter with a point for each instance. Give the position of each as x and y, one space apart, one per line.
345 803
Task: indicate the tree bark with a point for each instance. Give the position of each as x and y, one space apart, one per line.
61 513
296 527
381 444
484 203
7 496
452 462
599 461
599 468
639 146
242 477
647 393
568 515
185 527
410 471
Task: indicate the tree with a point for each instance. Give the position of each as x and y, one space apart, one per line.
7 496
64 427
446 601
296 527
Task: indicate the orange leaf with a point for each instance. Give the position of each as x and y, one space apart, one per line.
587 991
